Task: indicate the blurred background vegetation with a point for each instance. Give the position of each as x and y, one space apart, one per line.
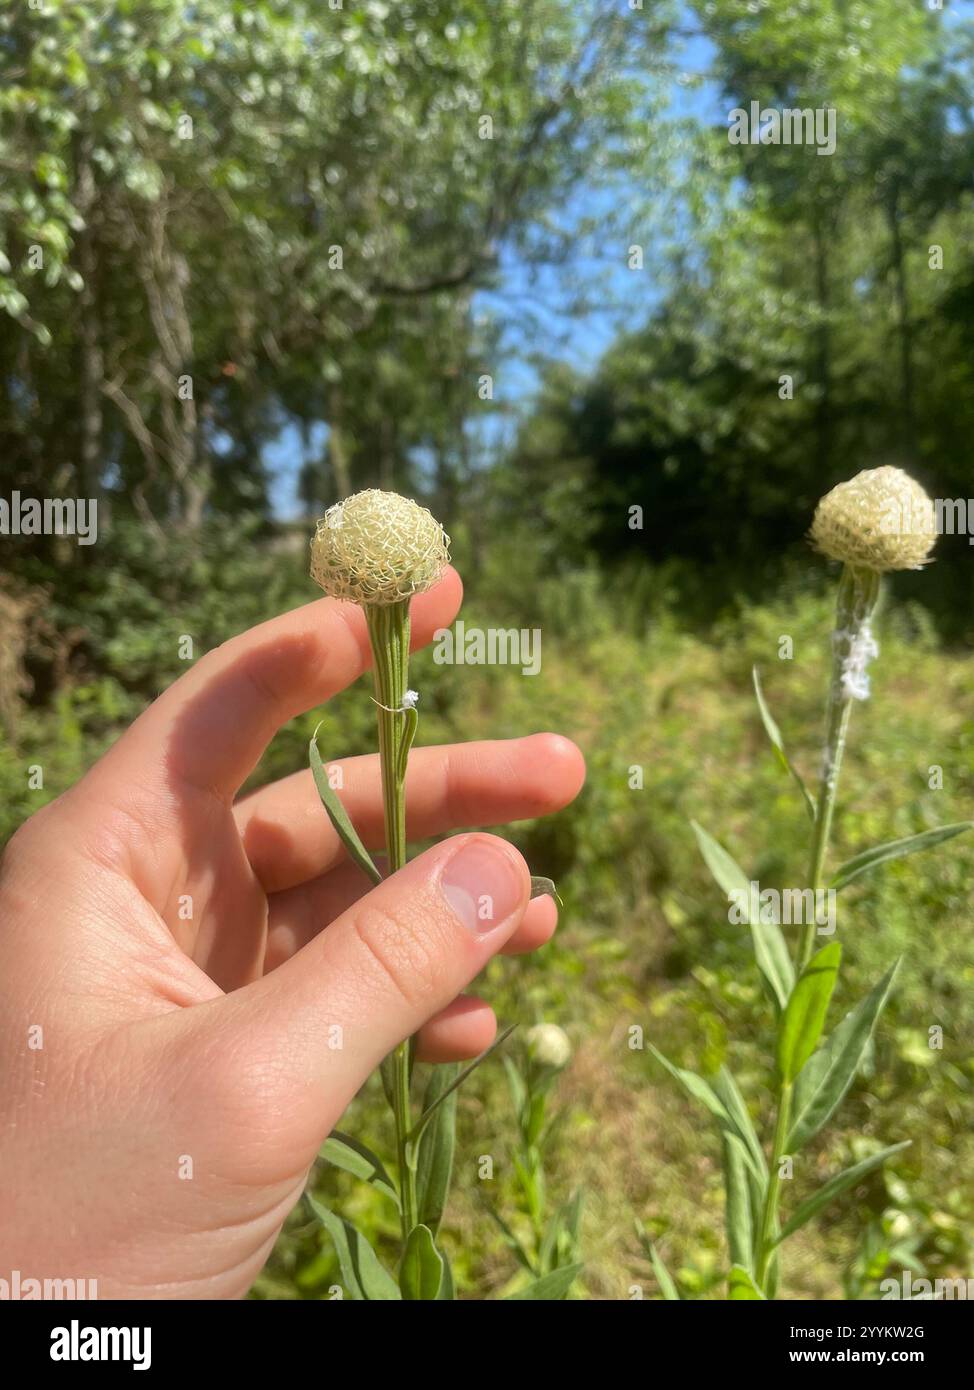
502 257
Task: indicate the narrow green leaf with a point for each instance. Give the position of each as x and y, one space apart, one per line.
447 1293
695 1086
726 1104
730 1097
663 1277
565 1222
895 849
424 1119
667 1286
421 1272
366 1279
545 888
828 1074
410 721
387 1071
770 949
778 743
549 1287
510 1239
435 1166
737 1212
848 1178
338 815
516 1085
804 1016
742 1286
572 1215
354 1157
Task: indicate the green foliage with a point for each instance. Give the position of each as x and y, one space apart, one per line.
804 1016
770 950
421 1272
435 1165
827 1075
835 1186
339 816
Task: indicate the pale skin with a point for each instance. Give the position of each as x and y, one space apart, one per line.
210 1037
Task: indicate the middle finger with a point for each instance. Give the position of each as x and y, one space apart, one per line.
289 839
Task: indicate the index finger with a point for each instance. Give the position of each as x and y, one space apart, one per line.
209 729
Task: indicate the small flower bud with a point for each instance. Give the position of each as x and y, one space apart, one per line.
378 548
549 1045
879 520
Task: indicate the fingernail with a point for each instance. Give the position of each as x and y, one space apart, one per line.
482 884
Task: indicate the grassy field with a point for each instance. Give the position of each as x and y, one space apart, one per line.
645 938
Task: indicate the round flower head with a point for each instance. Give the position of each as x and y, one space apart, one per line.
378 548
879 520
549 1045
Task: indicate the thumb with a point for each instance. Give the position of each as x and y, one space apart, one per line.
388 964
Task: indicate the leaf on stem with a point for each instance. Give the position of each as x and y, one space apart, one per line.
770 949
667 1285
416 1132
895 849
421 1272
365 1278
730 1096
448 1292
742 1286
737 1213
828 1074
778 743
435 1166
337 814
510 1239
566 1222
848 1178
357 1158
726 1104
516 1085
549 1287
804 1016
695 1086
410 721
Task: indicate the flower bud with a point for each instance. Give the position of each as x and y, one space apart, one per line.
549 1046
378 548
879 520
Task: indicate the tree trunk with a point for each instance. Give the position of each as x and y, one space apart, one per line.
904 327
165 276
337 452
824 346
92 363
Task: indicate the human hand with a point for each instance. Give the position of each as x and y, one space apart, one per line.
170 999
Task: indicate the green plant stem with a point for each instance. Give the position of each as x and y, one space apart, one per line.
769 1214
858 595
389 635
855 605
